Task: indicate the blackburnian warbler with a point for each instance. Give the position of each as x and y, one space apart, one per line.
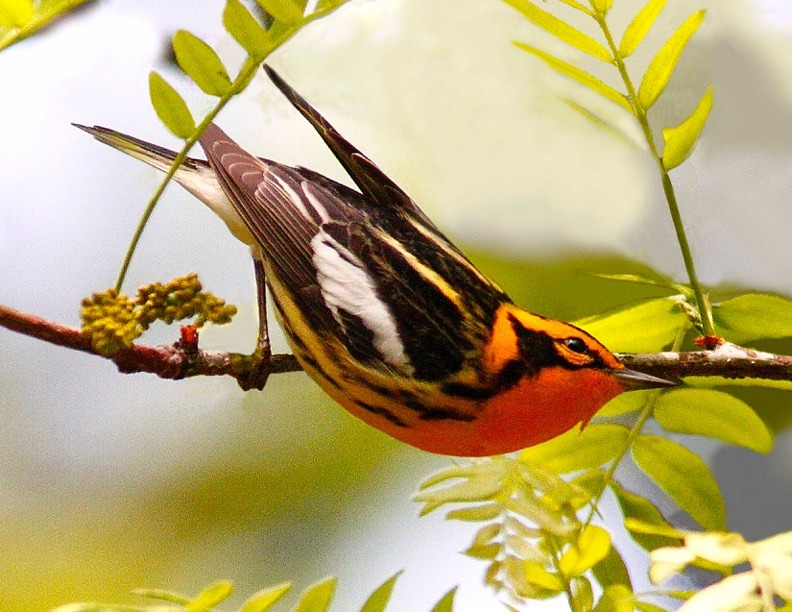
388 316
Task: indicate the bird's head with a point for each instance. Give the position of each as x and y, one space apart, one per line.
552 375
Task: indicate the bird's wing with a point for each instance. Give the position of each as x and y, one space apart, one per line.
373 182
348 275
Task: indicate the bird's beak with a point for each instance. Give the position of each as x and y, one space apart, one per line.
633 380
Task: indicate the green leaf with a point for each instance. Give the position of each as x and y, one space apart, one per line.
662 66
591 481
645 328
560 29
486 534
602 6
643 606
530 580
163 595
485 552
475 489
599 122
327 5
483 482
210 597
685 477
266 598
573 451
446 604
708 382
487 468
591 547
317 598
754 316
484 512
640 279
616 598
581 76
97 607
713 414
587 486
546 518
582 594
200 62
640 26
559 493
611 570
680 140
16 13
576 5
248 32
492 576
636 526
626 403
285 11
170 107
45 12
521 530
379 599
536 575
679 594
525 549
638 508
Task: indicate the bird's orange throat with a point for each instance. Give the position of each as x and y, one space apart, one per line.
541 408
535 410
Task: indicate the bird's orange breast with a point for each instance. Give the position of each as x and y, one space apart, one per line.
534 410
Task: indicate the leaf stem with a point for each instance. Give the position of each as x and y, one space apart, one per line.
555 559
702 303
635 431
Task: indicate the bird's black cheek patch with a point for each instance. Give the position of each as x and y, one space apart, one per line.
536 348
510 374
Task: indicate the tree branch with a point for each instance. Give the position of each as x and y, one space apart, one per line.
727 361
179 360
184 359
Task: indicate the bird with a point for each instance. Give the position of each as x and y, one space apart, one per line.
381 309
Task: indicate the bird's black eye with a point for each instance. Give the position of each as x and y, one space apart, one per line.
576 345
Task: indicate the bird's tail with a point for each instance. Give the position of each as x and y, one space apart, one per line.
194 174
154 155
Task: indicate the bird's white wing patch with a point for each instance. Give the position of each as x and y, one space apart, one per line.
346 285
291 195
310 192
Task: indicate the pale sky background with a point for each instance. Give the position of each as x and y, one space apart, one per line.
470 126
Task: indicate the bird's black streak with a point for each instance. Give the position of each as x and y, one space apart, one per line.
383 412
471 392
441 414
428 322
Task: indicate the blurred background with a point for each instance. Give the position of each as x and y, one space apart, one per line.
111 482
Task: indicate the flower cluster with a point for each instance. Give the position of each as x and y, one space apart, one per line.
113 321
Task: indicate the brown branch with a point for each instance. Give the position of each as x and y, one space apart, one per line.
180 360
727 361
184 359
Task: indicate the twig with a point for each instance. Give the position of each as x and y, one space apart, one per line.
184 359
180 360
727 361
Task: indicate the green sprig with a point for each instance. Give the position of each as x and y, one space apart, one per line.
205 68
680 140
20 19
